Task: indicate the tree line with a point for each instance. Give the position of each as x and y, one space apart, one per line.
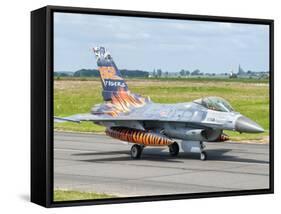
95 73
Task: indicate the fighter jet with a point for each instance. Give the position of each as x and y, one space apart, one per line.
138 120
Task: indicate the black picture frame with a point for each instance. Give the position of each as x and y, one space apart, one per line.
42 162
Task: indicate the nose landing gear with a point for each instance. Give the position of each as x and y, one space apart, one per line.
203 154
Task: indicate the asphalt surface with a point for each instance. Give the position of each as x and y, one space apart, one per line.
92 162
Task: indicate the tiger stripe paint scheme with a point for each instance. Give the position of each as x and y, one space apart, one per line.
138 136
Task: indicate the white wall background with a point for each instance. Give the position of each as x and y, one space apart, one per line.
15 107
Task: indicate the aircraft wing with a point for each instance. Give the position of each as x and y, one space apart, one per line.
77 118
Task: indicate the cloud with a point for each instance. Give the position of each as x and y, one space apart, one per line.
145 43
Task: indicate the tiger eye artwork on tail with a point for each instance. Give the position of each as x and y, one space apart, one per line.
138 120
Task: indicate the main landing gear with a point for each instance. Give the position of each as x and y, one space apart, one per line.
136 151
188 146
174 149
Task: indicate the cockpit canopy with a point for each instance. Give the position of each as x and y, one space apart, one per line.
215 103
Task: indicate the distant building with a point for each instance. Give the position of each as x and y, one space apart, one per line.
249 74
241 71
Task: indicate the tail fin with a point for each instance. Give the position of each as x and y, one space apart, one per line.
112 81
115 90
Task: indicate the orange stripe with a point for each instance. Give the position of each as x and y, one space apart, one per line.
130 136
141 138
145 139
134 136
154 139
138 137
160 141
149 138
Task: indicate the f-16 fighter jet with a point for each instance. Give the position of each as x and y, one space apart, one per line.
138 120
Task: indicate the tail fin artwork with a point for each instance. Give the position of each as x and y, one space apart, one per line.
112 81
115 90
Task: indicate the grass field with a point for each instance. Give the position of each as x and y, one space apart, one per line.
249 97
70 195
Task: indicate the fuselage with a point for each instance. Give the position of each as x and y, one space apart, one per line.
185 121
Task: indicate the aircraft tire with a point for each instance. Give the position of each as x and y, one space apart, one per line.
136 151
203 156
174 149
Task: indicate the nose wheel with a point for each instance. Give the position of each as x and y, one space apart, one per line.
136 151
203 156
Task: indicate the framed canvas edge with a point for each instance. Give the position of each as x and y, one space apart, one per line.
49 102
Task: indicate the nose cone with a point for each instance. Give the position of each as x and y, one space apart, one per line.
244 124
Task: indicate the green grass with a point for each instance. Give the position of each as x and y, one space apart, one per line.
70 195
251 98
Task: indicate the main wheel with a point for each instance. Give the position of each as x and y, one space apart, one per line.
203 156
174 149
136 151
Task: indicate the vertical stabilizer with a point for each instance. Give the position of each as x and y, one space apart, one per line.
112 81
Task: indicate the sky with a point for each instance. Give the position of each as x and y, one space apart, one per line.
171 45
